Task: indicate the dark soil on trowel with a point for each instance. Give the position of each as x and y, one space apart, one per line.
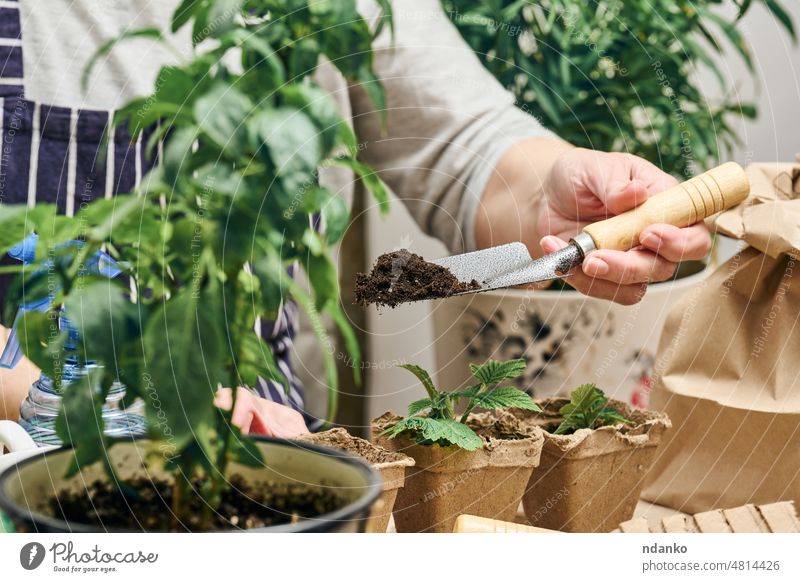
402 276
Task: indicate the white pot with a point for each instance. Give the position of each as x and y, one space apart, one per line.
567 338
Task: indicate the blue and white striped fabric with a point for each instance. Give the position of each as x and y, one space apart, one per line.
54 154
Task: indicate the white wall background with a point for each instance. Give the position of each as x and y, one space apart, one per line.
405 334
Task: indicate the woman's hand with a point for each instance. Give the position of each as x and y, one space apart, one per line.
256 415
585 186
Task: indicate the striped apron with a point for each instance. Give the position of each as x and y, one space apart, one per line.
53 154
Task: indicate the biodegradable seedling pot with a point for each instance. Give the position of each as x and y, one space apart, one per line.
449 481
590 480
390 465
28 488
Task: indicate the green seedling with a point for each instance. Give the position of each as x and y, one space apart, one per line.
588 408
433 420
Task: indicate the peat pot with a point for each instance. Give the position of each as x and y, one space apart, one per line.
390 465
590 480
565 337
448 481
27 487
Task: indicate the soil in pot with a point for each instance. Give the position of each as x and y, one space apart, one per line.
243 506
391 466
403 276
301 487
448 481
590 480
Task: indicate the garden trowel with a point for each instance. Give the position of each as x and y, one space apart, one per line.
683 205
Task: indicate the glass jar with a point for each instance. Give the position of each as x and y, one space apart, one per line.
39 410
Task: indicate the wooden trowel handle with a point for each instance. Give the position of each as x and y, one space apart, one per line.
687 203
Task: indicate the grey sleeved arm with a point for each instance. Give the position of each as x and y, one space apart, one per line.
449 121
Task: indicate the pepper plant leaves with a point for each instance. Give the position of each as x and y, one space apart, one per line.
293 143
183 13
244 450
104 50
221 113
257 362
18 221
184 347
80 421
782 15
349 337
319 106
324 342
222 15
43 342
106 321
373 183
209 234
177 154
270 273
323 277
260 62
335 214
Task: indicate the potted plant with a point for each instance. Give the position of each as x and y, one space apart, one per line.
203 247
465 463
390 465
595 455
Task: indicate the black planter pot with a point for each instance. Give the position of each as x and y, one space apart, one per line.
26 487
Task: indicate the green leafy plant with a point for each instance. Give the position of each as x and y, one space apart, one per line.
205 244
618 75
588 408
434 419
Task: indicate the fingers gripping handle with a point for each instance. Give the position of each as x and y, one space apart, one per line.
685 204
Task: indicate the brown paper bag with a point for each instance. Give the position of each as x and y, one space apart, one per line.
728 367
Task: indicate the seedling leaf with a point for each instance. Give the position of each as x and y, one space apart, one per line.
493 372
439 425
444 432
506 397
423 377
419 405
587 409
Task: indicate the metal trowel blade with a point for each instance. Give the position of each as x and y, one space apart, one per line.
509 265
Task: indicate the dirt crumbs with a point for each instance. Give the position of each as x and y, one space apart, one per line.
403 276
243 506
339 438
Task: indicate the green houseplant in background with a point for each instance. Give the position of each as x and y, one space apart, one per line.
617 75
206 242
